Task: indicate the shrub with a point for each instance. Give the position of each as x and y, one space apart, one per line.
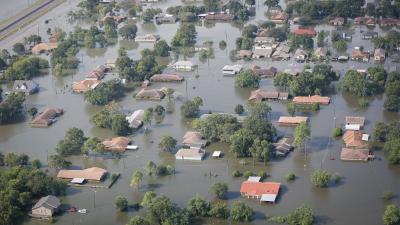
320 178
388 195
262 174
337 132
290 177
247 174
236 173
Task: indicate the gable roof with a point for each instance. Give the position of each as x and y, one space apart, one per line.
312 99
49 202
259 188
45 118
353 139
351 154
292 119
26 86
305 31
85 85
166 77
118 144
355 120
194 138
92 173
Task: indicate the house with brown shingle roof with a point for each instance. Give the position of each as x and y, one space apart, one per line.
261 95
358 55
312 100
292 120
190 154
354 139
305 31
45 207
279 17
337 21
166 78
351 154
321 53
116 144
150 94
265 72
194 139
379 55
85 85
90 174
355 120
47 117
219 16
43 47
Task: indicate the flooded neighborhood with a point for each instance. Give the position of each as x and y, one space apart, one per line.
200 112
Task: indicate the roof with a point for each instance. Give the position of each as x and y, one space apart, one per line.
26 86
148 37
279 16
321 52
254 179
92 173
166 77
236 67
43 47
194 138
191 153
85 85
284 144
379 52
264 40
260 95
353 139
50 202
118 144
263 52
300 52
183 63
45 118
216 154
305 31
359 54
355 120
311 99
77 180
152 94
259 188
135 119
293 119
245 53
351 154
268 72
268 197
219 16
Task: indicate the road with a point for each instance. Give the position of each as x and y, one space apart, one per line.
7 28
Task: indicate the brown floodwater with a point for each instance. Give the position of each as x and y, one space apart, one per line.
357 200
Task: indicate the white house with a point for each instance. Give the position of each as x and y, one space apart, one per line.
190 154
183 66
231 69
136 119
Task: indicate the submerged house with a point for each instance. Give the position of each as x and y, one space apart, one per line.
136 119
262 51
292 120
27 87
279 17
283 146
183 66
166 78
85 85
194 139
305 32
312 100
265 72
337 21
358 55
264 191
281 53
90 174
116 144
351 154
219 17
98 73
379 55
354 139
262 95
151 38
47 117
150 94
196 154
354 122
300 55
321 53
165 18
231 69
46 207
43 47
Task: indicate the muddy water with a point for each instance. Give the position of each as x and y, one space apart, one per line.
11 8
357 200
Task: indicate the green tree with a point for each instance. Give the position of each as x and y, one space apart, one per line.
137 177
340 45
219 190
151 168
210 5
303 215
159 110
391 216
162 48
271 3
190 109
72 142
167 143
282 80
320 178
148 14
137 220
290 177
25 68
148 199
36 164
19 48
240 212
301 133
337 132
291 108
128 31
219 210
32 39
247 78
148 114
198 207
120 125
185 36
32 111
58 162
163 211
241 141
121 203
93 144
11 109
222 44
105 92
355 83
260 150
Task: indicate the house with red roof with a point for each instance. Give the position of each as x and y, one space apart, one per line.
305 31
264 191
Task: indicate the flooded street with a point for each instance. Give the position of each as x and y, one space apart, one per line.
357 200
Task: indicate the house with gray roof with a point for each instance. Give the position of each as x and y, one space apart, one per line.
26 86
46 207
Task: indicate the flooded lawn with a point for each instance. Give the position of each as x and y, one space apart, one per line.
357 200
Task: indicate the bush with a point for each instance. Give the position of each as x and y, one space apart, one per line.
362 102
320 178
240 212
290 177
219 210
388 195
337 132
121 203
236 173
262 174
315 107
246 79
247 174
220 190
239 109
222 44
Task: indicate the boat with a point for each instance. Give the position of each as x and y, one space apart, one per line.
83 211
